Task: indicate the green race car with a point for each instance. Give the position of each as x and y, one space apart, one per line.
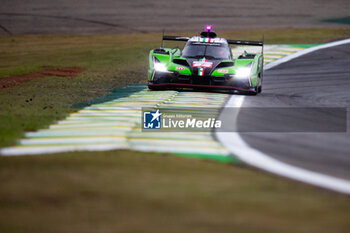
206 62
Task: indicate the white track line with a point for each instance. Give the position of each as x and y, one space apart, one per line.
238 147
305 51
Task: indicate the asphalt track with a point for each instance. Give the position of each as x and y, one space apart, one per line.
116 16
317 79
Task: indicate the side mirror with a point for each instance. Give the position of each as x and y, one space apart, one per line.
176 51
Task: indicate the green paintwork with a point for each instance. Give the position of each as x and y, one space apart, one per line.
219 72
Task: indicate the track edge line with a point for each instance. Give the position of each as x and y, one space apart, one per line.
263 161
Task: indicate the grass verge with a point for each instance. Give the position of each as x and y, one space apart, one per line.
128 191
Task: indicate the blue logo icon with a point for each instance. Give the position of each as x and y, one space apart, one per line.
151 120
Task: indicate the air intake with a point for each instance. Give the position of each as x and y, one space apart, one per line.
181 62
224 64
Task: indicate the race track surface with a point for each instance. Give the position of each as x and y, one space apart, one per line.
318 79
108 16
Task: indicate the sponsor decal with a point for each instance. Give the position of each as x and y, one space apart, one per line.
179 68
204 64
200 71
223 71
152 120
207 40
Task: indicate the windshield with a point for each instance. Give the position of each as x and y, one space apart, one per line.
213 51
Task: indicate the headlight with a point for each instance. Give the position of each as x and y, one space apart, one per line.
160 67
243 72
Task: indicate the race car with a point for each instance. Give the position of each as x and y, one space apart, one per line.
206 62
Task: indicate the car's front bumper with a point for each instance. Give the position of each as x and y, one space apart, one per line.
172 80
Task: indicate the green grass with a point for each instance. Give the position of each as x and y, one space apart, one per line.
126 191
111 62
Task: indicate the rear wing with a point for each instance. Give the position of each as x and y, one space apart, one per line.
236 42
176 38
232 42
246 42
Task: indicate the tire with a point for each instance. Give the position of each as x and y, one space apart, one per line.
256 91
260 86
260 89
